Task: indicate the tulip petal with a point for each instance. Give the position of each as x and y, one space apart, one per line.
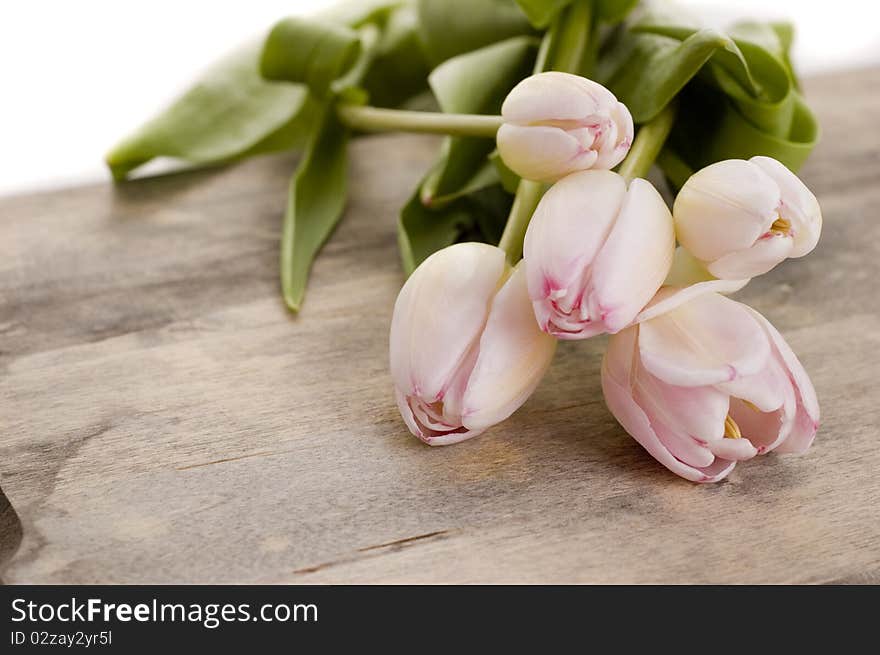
733 449
681 446
586 111
636 423
620 358
567 229
425 432
799 205
767 252
555 96
439 314
765 389
698 412
807 417
513 357
764 430
669 298
725 207
542 153
612 154
636 257
407 414
800 438
709 340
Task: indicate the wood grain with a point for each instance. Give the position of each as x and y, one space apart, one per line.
165 420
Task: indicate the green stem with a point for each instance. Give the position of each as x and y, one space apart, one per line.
677 172
575 26
528 194
375 119
647 145
566 43
548 43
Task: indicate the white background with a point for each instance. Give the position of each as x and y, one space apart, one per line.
79 74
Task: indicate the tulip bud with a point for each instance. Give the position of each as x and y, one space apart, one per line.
596 253
465 350
707 385
558 123
741 218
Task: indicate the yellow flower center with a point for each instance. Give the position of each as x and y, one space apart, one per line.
780 226
731 429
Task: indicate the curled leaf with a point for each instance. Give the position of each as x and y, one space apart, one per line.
750 69
646 71
738 92
308 51
710 128
399 69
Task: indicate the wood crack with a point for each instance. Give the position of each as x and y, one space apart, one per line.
266 453
373 551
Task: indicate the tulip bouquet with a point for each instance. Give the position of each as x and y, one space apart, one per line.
537 223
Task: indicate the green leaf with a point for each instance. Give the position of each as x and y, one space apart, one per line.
613 11
743 101
485 176
317 195
645 71
750 69
473 83
316 201
711 128
491 209
357 13
677 172
542 12
509 179
309 51
389 65
452 27
399 69
424 230
785 34
230 111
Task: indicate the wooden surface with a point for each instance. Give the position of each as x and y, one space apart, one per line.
165 420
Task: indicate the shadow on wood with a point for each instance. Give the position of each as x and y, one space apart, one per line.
10 532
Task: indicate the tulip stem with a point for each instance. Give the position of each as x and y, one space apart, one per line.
573 31
647 144
377 119
528 194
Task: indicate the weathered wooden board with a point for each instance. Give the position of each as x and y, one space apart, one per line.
164 419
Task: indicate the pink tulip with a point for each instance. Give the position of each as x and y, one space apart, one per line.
741 218
709 384
558 123
596 253
465 350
